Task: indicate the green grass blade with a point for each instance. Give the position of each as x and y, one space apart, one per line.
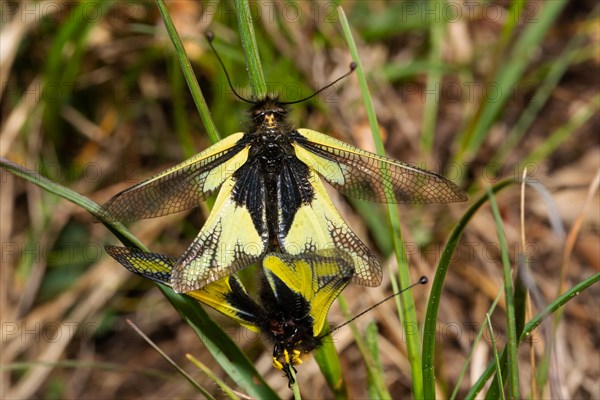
409 316
512 19
507 77
222 385
52 187
478 337
520 304
244 19
180 370
180 117
556 304
372 343
295 387
376 380
188 73
520 296
496 358
434 81
328 360
512 343
533 324
220 345
485 376
429 330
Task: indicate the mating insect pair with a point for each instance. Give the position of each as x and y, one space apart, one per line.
272 206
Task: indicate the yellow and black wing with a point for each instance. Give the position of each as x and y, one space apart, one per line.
229 297
367 176
319 277
226 295
181 187
317 226
154 266
229 240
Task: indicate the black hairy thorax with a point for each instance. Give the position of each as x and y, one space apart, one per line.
273 180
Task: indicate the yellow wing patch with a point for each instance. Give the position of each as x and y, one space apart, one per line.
149 265
215 177
217 296
319 277
227 242
331 171
318 226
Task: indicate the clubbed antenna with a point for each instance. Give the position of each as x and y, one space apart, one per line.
351 69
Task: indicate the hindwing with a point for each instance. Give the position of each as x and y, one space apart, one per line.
317 226
154 266
228 296
318 277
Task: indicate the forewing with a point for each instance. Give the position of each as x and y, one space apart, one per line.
319 277
226 295
318 226
181 187
368 176
228 241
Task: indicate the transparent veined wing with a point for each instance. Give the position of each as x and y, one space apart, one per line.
367 176
181 187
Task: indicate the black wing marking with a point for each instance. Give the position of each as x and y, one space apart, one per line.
318 278
227 295
364 175
153 266
317 226
181 187
234 236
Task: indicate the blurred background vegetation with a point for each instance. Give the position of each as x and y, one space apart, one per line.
93 98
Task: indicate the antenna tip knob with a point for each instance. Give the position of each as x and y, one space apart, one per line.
352 66
209 35
423 280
